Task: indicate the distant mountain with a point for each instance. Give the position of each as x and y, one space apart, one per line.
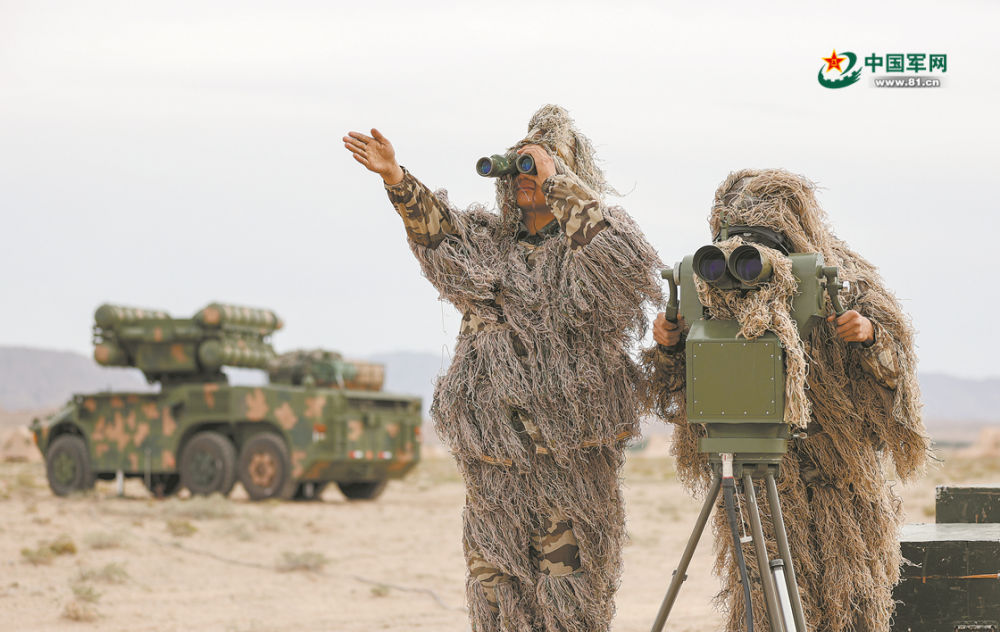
954 408
42 378
949 397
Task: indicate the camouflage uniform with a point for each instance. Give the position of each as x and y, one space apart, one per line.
879 358
543 522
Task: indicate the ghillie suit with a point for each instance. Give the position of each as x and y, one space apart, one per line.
542 393
860 407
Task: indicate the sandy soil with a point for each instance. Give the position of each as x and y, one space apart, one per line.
393 564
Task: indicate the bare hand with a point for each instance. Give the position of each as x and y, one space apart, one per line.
544 164
853 327
665 332
528 192
375 152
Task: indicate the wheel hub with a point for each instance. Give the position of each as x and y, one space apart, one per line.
64 468
205 468
263 469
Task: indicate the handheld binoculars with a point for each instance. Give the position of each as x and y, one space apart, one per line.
502 165
745 267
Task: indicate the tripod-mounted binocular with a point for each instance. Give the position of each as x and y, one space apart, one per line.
735 389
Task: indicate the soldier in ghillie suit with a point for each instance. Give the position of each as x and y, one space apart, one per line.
542 393
859 405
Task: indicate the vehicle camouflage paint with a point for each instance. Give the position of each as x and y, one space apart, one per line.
321 419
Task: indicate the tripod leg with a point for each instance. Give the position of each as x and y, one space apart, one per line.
786 553
681 573
760 547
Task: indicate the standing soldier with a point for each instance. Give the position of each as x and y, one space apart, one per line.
842 516
542 394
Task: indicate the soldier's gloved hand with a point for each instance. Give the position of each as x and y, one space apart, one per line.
375 152
665 332
853 327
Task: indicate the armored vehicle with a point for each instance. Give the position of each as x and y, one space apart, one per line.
321 418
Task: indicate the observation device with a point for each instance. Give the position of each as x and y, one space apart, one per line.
735 389
505 164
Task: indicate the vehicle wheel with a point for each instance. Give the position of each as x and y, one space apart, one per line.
208 464
309 491
67 465
362 491
162 485
265 468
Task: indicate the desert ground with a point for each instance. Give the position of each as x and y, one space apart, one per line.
102 562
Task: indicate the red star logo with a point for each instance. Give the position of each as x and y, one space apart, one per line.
833 62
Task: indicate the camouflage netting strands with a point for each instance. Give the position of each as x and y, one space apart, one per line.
542 392
864 413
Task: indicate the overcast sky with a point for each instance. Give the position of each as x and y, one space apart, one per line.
168 154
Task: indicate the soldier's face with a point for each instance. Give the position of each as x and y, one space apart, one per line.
528 193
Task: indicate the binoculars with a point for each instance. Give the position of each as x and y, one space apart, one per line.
746 266
501 165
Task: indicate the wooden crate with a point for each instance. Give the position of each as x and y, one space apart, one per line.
975 504
951 581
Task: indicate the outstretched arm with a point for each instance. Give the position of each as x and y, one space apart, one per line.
426 218
375 152
440 236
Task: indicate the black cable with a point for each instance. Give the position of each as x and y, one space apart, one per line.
728 492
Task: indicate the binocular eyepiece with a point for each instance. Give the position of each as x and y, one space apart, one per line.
501 165
746 266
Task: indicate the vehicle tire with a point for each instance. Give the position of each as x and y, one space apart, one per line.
309 491
369 490
265 468
162 485
67 465
208 464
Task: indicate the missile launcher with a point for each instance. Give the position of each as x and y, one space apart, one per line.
321 419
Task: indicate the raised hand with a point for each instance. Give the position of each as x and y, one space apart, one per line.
528 188
544 164
375 152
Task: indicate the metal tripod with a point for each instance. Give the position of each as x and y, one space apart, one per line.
777 577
